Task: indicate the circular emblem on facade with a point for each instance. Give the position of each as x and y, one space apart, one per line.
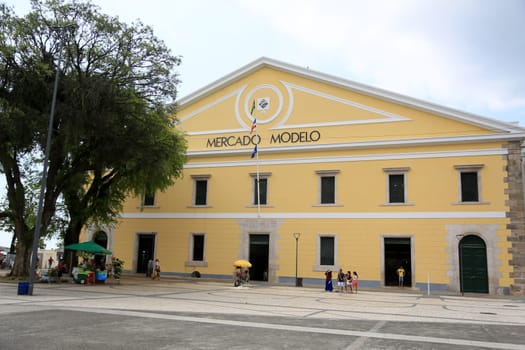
264 103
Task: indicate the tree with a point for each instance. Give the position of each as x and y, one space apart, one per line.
112 133
31 179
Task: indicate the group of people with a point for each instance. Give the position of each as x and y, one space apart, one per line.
153 269
241 276
346 282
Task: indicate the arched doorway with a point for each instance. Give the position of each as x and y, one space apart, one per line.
473 271
101 238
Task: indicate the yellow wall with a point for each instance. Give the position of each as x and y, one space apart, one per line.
366 134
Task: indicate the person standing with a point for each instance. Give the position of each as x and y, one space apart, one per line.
156 270
50 262
149 271
401 275
355 281
61 268
328 287
117 267
341 281
348 282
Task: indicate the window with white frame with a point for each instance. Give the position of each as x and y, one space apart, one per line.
260 188
469 179
327 186
198 247
148 199
396 185
197 250
327 250
200 189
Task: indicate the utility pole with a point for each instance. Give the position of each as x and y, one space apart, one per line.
36 237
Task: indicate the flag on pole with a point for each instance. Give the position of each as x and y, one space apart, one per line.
254 151
253 107
254 125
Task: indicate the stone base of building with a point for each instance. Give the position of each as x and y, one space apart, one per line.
517 289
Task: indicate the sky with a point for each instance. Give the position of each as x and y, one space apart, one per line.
463 54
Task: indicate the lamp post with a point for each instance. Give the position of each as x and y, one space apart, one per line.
296 235
36 235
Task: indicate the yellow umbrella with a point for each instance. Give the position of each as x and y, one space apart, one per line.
242 263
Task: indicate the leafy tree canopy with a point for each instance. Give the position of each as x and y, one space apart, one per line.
112 129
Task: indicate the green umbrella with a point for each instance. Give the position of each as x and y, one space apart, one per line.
89 247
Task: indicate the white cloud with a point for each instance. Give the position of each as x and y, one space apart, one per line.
448 52
463 54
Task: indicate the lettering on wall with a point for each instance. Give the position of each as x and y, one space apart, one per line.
251 140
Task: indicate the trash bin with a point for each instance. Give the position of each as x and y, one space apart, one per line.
23 288
299 282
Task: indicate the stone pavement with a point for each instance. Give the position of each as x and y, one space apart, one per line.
181 313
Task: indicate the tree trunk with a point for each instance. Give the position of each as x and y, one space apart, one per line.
22 262
71 237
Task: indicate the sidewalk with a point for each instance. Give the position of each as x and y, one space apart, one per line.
138 279
196 313
171 294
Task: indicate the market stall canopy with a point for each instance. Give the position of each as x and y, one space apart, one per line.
242 263
88 247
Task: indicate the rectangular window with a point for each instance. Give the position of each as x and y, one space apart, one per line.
327 189
148 199
200 189
396 185
198 248
262 189
396 188
327 186
201 192
469 183
327 245
469 186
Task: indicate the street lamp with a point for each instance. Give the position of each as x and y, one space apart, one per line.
296 235
36 236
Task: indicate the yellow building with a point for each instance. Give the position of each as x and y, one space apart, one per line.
349 176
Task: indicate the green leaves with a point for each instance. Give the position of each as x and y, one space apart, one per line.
112 131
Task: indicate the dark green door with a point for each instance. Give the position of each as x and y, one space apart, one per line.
473 265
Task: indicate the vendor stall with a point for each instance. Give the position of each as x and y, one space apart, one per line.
89 272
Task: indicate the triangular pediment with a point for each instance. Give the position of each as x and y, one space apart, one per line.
300 101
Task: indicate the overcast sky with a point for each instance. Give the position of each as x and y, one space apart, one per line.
464 54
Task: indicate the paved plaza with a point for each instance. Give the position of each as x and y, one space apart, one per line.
174 313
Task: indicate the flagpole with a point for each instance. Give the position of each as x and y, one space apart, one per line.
256 151
257 171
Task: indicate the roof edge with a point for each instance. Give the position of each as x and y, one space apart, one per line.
455 114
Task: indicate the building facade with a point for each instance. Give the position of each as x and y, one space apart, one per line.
300 172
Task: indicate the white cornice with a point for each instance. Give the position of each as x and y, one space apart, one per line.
484 122
307 215
265 160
